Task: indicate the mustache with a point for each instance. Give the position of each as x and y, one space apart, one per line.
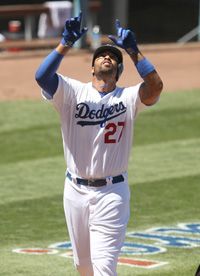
106 60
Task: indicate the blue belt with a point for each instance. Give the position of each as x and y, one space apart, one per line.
96 182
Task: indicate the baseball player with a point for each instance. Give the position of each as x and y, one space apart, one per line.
97 122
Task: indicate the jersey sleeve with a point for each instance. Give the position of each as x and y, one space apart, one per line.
65 93
134 98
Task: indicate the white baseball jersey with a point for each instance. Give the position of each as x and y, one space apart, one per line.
97 131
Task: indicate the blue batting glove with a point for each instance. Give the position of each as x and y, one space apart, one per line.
125 39
72 31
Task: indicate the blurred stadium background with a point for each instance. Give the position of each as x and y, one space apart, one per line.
153 21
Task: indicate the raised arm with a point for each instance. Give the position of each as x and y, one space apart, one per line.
46 75
152 85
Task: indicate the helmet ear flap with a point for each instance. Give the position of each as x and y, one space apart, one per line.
120 69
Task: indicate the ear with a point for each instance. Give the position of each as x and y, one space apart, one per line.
92 70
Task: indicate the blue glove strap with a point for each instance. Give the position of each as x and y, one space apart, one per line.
144 67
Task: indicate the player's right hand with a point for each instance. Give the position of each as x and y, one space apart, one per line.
72 30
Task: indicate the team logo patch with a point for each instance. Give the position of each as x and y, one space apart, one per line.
89 116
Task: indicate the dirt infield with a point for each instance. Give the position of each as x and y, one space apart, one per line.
177 65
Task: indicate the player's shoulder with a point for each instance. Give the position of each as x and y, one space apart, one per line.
130 91
70 81
133 88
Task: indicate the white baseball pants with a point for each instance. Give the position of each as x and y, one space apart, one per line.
97 219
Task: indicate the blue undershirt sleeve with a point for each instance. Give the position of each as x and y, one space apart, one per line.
46 75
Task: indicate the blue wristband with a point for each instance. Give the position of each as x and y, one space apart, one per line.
144 67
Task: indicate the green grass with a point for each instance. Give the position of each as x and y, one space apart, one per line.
164 176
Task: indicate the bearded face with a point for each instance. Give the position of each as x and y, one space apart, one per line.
105 65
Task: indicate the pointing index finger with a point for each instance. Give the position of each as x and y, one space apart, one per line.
118 27
80 16
117 24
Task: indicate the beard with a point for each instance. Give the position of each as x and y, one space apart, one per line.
105 72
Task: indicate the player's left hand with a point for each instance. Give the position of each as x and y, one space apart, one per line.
72 30
125 38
